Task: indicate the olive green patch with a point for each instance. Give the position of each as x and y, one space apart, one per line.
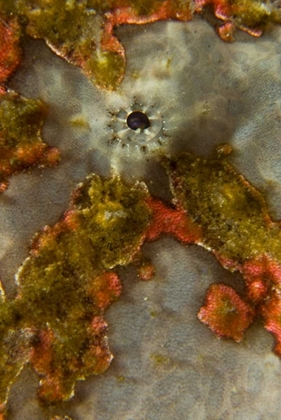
232 214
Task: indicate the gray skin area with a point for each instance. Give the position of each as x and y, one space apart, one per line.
204 92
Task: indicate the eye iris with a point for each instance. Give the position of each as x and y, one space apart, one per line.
138 119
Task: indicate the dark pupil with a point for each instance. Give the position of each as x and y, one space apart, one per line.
137 120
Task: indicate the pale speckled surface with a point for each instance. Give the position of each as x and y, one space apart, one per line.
207 92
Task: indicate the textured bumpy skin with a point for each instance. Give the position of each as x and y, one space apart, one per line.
204 92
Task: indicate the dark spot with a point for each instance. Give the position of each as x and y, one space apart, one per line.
138 119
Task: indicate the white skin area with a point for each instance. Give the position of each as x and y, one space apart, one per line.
204 92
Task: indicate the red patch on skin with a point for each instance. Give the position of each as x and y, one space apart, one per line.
49 234
175 222
226 32
264 274
41 360
55 385
222 8
98 357
271 312
98 325
126 15
260 275
227 263
227 315
10 51
69 222
226 11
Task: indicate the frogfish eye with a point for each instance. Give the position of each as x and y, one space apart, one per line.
138 119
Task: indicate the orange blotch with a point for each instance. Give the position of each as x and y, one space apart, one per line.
227 11
51 388
98 358
260 275
26 156
10 51
98 325
2 411
222 8
146 271
166 220
126 15
105 289
271 312
3 186
47 237
227 263
226 32
70 220
41 356
51 157
225 313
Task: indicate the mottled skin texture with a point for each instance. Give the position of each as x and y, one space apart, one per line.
56 322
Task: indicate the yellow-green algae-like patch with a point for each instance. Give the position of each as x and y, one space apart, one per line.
232 214
56 321
73 30
21 145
